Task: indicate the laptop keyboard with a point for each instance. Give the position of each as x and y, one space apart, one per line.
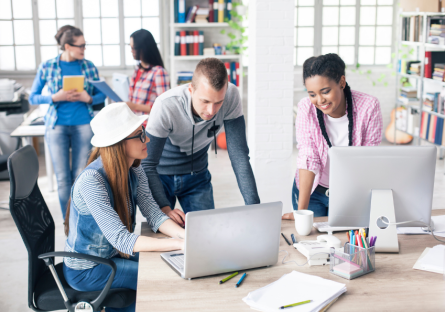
177 260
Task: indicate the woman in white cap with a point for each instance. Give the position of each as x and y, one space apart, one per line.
101 216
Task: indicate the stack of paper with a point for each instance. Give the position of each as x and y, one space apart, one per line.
439 228
432 260
295 287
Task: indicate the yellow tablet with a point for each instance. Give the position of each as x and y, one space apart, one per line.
73 82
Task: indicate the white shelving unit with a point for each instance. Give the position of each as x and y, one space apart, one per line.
420 81
179 61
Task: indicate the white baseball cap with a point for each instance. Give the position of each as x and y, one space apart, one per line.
114 123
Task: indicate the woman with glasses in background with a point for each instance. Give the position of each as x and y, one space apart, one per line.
150 79
70 112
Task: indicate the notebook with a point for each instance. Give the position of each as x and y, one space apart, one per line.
296 287
73 82
431 260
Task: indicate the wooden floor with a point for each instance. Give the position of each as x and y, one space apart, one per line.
13 255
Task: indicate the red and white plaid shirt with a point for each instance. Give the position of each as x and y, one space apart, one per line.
313 148
152 83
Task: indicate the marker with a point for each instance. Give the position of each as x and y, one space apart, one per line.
373 243
240 280
295 304
286 239
228 277
293 238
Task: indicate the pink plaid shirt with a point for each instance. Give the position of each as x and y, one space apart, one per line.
153 82
313 148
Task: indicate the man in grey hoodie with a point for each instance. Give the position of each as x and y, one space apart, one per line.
183 123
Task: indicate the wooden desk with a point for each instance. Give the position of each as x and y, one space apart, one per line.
394 286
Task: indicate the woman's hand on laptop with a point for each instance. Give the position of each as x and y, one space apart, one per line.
178 216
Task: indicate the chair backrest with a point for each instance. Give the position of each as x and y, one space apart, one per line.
30 213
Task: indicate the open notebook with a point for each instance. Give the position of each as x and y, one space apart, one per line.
296 287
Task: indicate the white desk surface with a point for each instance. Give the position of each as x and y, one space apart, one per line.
25 130
394 286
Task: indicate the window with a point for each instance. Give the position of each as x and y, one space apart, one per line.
360 31
27 29
16 35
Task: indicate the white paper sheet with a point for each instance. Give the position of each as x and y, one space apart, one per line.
292 288
434 259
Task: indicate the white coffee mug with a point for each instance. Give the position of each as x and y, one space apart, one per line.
304 219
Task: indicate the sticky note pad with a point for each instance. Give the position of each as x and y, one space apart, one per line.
347 268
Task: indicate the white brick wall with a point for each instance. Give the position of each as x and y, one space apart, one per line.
270 98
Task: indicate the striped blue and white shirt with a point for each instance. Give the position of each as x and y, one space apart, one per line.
91 197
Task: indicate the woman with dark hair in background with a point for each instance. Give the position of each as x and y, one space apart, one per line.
150 79
68 118
332 115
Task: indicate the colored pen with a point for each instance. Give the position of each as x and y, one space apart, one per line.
286 239
375 238
293 238
295 304
347 235
372 241
228 277
240 280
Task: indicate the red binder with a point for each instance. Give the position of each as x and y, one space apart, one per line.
227 64
196 42
183 43
211 20
428 65
237 74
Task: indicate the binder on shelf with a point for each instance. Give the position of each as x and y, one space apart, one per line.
181 11
183 42
211 16
443 136
191 13
227 64
201 42
177 43
233 73
428 65
220 11
439 131
190 43
237 74
196 42
176 4
229 10
215 11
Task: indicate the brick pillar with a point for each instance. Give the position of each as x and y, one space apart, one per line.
270 98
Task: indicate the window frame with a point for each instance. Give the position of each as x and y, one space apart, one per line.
318 28
78 18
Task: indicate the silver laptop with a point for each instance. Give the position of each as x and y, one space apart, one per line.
229 239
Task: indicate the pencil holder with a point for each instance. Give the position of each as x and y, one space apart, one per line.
353 262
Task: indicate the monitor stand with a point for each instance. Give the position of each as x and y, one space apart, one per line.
382 205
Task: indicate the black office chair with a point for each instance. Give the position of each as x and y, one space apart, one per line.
47 287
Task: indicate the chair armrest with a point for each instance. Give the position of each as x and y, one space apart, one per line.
96 303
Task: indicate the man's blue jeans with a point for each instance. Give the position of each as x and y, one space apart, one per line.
59 140
94 279
194 192
318 203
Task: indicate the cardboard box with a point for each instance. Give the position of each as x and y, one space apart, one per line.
422 5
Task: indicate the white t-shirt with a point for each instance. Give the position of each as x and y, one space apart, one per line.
338 132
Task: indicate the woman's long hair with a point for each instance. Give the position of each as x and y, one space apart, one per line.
146 48
116 168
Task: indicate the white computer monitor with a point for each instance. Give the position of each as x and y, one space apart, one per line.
357 174
121 85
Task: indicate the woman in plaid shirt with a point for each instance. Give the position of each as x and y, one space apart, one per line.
150 79
332 115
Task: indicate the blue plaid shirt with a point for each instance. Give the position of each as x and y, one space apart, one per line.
51 72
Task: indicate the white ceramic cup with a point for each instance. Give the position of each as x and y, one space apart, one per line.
304 220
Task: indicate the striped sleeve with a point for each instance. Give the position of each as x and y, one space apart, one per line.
93 192
148 206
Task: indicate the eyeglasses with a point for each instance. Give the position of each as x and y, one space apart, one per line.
142 136
82 46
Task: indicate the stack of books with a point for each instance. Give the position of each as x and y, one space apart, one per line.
432 126
190 42
428 102
201 15
414 69
412 28
184 77
439 69
408 94
437 34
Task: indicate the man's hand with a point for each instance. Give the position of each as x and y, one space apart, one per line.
176 215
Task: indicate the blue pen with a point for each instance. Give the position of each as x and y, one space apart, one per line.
293 238
240 280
